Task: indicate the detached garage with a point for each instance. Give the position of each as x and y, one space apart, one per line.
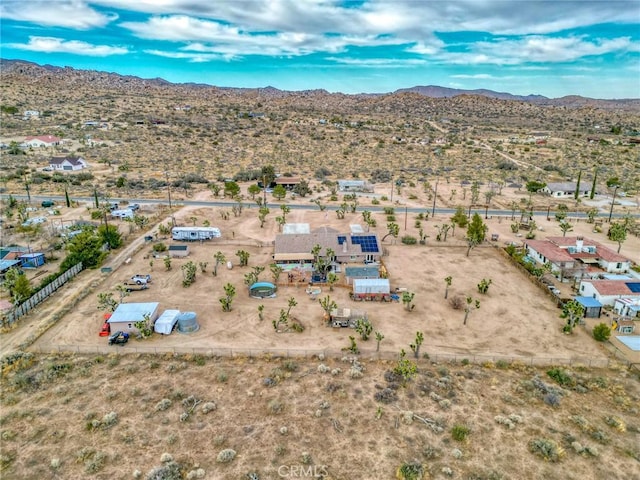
127 314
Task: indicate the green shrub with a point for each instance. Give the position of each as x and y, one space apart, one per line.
159 247
601 332
409 240
560 376
460 432
547 449
410 471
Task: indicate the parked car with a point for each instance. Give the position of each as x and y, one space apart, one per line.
131 285
141 279
134 207
113 206
47 203
118 338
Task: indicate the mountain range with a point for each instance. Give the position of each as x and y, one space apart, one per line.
22 67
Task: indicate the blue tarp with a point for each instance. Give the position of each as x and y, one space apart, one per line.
588 302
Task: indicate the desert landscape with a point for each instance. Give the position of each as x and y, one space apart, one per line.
493 391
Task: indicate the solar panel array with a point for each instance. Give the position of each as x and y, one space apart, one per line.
368 243
341 239
634 287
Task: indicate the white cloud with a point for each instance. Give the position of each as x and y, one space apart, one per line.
75 47
477 76
73 14
538 49
192 57
378 62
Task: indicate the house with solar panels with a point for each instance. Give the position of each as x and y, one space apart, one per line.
293 250
608 291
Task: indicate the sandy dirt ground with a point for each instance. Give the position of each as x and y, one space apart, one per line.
515 318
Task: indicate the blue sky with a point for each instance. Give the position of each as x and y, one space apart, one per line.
552 48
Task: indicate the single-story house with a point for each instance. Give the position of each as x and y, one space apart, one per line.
627 307
607 291
567 189
41 141
592 307
295 249
576 256
68 163
178 250
355 186
287 182
126 315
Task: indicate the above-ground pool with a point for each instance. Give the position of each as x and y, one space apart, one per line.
633 342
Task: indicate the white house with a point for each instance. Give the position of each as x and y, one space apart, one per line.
627 307
41 141
567 189
608 291
354 186
68 163
576 256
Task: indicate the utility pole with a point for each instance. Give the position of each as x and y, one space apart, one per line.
435 196
613 202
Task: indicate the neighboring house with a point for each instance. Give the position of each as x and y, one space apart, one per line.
287 182
608 291
6 265
294 250
576 256
355 186
41 141
28 114
68 163
567 189
627 307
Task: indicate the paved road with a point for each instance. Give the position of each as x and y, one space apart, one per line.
275 206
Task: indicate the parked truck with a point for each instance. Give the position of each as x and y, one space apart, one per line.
131 286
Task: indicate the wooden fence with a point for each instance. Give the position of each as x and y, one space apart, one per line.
41 295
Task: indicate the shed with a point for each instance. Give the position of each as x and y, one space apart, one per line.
127 314
262 290
592 307
178 250
32 260
188 323
165 322
369 288
346 317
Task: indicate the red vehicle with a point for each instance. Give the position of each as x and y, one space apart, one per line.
106 328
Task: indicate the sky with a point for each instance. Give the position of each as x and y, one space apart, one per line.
551 48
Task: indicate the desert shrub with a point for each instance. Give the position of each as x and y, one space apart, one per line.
290 366
552 399
410 471
163 404
159 247
460 432
561 376
616 423
502 364
226 455
601 332
169 471
222 377
547 449
275 407
457 302
409 240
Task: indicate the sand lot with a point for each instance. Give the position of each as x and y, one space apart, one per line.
515 318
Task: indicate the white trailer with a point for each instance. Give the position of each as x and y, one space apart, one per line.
122 214
192 234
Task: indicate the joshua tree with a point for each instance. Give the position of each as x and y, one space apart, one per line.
483 286
167 263
261 312
262 215
364 328
618 233
565 227
353 347
379 338
105 300
188 273
203 266
328 305
331 279
230 292
415 347
572 311
448 280
285 210
407 298
276 271
470 304
405 367
393 229
243 256
219 258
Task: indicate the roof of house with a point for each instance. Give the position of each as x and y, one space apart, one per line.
133 312
44 138
287 180
71 160
555 249
326 237
615 287
550 251
562 187
7 264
